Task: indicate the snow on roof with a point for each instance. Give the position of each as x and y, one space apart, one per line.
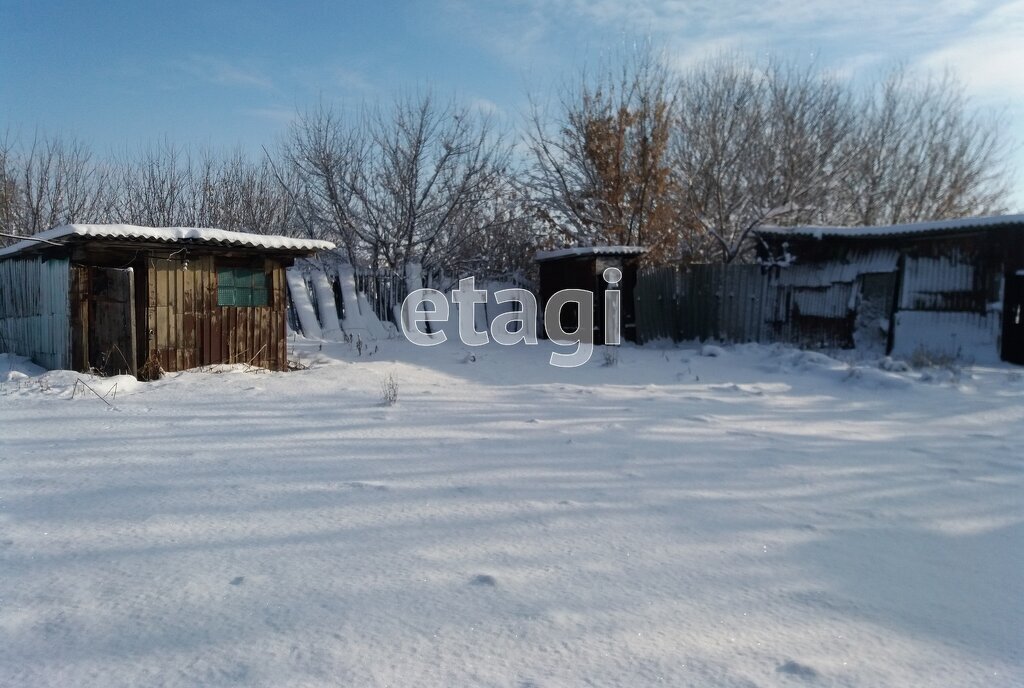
911 229
216 237
590 251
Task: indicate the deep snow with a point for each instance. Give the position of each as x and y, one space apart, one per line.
756 516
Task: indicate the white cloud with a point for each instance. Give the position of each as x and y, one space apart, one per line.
220 71
277 113
485 106
519 33
852 67
989 55
351 79
689 54
671 16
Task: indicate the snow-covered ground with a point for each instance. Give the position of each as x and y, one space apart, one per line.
757 517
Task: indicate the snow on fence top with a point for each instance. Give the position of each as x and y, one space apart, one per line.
197 235
590 251
933 227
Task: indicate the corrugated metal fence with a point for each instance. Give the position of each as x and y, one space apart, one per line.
725 302
35 310
945 304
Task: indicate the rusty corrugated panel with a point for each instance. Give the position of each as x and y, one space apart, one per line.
187 328
35 310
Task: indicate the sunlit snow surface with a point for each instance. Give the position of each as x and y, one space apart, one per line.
756 517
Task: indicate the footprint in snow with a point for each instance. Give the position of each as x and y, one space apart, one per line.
367 486
796 669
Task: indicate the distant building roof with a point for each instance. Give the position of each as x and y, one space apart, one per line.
193 235
579 251
905 230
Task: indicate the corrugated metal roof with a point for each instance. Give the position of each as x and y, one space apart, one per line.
912 229
589 251
193 235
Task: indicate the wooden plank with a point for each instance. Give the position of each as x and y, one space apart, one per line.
270 337
202 318
133 357
242 325
273 355
188 350
247 315
80 336
163 329
162 291
216 336
230 332
150 309
256 330
177 305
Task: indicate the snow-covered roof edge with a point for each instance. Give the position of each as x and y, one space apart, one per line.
589 251
197 235
910 229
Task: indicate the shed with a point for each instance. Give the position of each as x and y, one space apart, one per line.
948 288
128 299
583 268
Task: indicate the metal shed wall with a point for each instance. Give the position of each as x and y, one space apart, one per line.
808 305
185 328
949 307
35 310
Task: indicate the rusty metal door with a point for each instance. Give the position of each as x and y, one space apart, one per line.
112 321
1013 319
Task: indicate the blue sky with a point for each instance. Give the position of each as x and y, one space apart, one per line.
120 74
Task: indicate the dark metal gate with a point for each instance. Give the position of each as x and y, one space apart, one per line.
1013 319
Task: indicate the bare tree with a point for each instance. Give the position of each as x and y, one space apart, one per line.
688 165
325 156
919 153
756 146
787 145
155 186
399 184
232 192
601 172
494 239
9 228
433 168
53 181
